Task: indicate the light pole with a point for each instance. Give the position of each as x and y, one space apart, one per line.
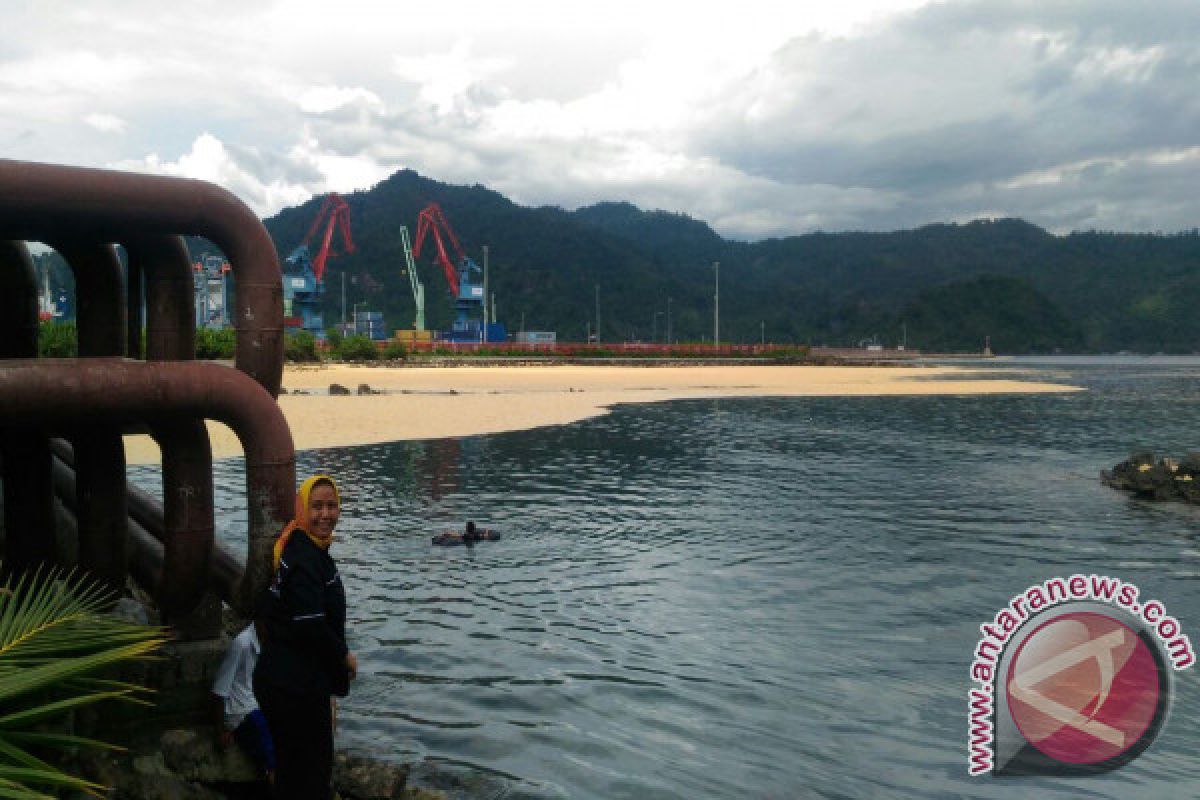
716 303
355 307
668 320
485 290
597 313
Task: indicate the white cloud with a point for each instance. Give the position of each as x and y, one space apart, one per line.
106 123
322 99
210 160
765 119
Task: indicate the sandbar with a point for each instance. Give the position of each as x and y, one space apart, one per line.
439 402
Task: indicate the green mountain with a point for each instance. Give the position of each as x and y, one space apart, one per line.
946 285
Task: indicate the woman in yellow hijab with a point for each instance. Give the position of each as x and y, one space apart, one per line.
304 660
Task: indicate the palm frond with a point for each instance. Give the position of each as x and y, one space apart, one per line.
55 644
55 671
44 777
58 740
11 790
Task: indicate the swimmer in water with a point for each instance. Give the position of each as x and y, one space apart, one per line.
470 536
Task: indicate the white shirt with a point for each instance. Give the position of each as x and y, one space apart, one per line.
235 678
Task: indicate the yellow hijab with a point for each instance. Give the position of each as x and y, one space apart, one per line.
301 522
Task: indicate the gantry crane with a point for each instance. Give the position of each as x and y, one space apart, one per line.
467 292
414 280
303 279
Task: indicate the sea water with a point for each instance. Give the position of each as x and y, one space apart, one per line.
771 598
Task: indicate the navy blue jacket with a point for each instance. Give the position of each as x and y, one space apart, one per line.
305 648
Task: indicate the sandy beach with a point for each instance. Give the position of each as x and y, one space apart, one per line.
431 403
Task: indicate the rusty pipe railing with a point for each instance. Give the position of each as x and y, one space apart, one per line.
100 504
99 296
147 532
100 456
50 203
170 300
18 302
145 551
188 527
24 451
64 393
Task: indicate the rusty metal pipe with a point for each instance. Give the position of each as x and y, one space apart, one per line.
144 551
100 511
170 300
48 202
186 453
28 497
147 532
135 297
100 457
28 494
68 392
99 296
18 302
187 513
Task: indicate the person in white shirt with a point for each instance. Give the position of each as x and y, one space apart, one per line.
241 719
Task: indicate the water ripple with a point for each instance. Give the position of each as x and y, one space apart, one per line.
770 598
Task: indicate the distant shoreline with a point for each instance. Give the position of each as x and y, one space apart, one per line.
438 402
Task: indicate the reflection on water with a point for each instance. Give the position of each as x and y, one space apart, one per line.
766 598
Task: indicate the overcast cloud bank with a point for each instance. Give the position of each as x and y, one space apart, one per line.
1072 115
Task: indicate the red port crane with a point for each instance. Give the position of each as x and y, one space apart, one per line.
333 210
303 285
431 219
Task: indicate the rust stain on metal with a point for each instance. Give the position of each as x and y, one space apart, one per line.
91 400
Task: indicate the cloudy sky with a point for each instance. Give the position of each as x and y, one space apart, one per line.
761 118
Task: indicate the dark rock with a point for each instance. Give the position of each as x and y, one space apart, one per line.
364 388
195 756
337 388
363 778
1162 480
130 610
419 793
140 776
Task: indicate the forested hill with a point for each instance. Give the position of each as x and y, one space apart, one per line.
949 286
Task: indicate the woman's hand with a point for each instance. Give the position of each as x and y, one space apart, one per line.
352 665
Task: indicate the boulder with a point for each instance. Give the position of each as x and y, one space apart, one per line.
363 778
337 388
145 776
418 793
195 756
365 388
1166 479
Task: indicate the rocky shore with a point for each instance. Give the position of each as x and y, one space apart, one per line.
1165 479
187 764
169 749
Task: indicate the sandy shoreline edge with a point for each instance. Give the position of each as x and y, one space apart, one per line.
433 403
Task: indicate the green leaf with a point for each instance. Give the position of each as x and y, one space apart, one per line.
59 740
57 708
54 639
46 778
